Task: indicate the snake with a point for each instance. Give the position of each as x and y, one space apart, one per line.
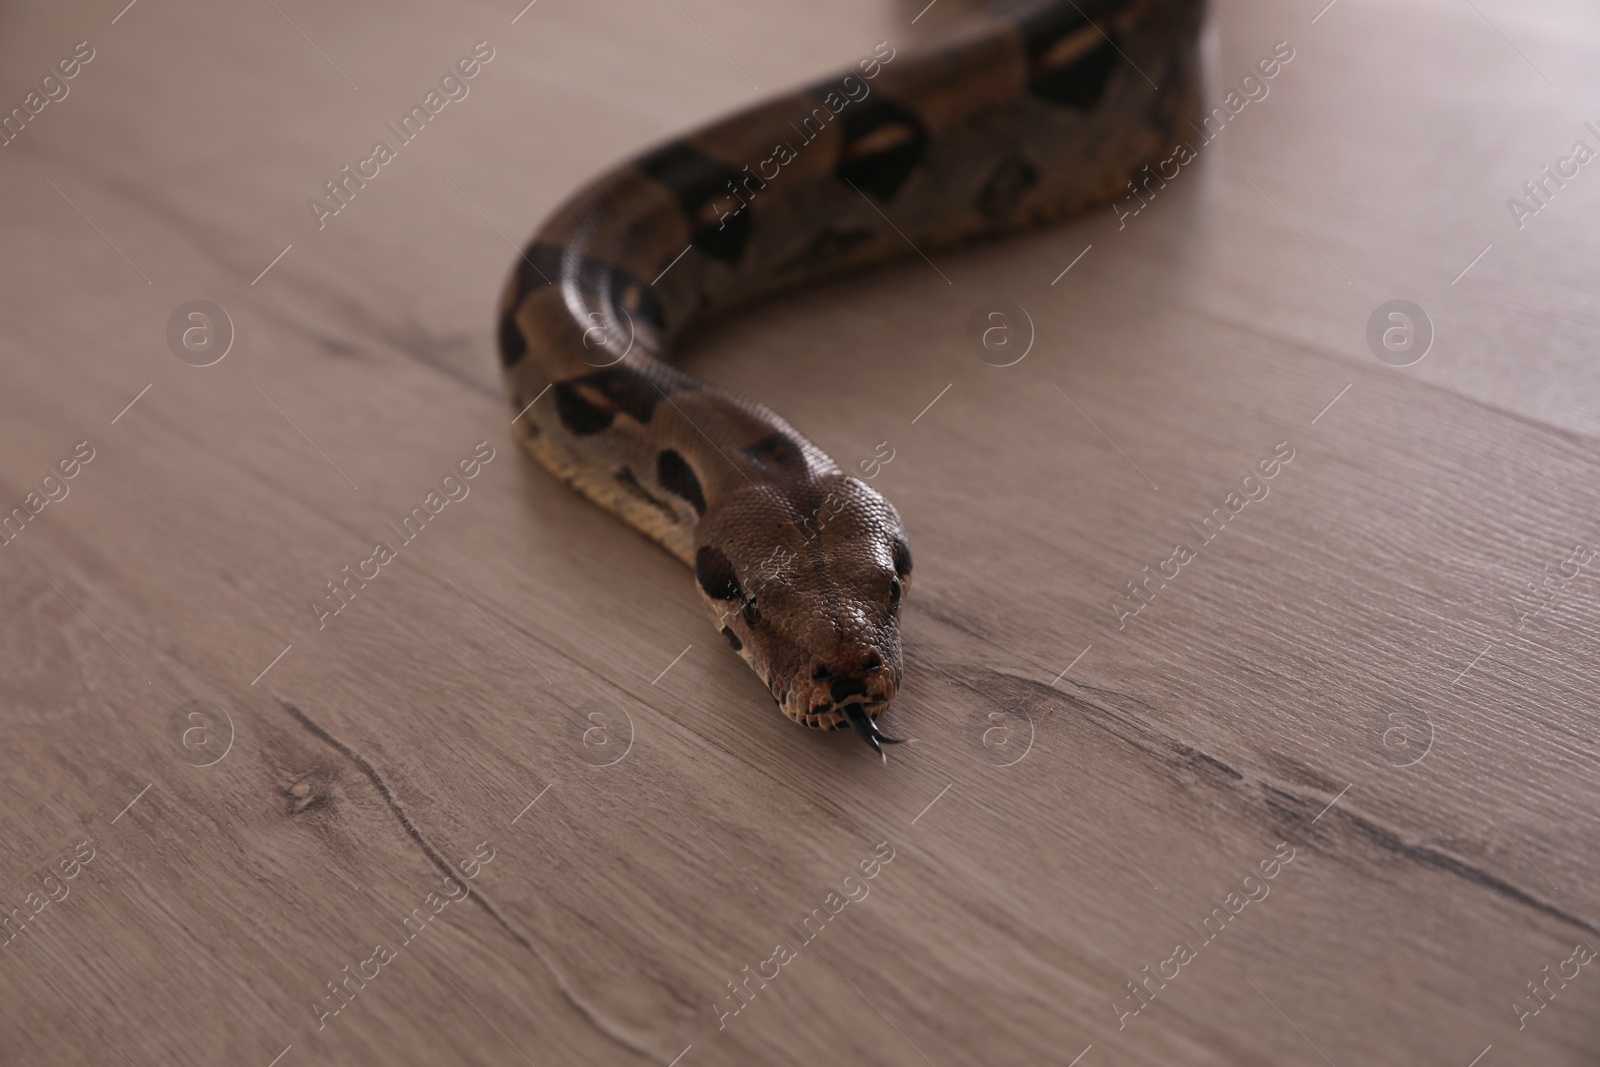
1026 113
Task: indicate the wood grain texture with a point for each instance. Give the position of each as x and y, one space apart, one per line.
1083 797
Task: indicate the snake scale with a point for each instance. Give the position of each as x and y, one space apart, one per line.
1028 113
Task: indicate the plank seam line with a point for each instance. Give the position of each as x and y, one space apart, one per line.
1377 373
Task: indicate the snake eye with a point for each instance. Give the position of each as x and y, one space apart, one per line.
894 590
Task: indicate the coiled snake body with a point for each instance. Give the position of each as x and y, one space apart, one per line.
1031 112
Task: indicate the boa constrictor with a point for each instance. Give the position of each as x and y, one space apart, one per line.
1033 111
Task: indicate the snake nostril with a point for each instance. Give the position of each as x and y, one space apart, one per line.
874 661
820 673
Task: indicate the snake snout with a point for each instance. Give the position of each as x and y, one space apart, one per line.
850 694
845 690
868 679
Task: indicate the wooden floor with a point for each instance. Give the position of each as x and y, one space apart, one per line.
1330 795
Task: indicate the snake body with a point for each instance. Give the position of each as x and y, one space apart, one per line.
1030 112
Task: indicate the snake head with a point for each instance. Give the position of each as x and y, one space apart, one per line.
806 583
